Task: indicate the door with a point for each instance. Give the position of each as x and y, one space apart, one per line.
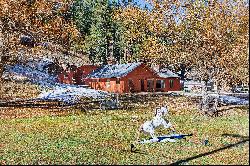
131 86
142 85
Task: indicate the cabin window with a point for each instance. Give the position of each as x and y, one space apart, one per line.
66 75
74 77
108 83
117 80
160 84
150 85
171 83
142 85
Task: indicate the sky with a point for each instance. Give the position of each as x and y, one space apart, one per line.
141 2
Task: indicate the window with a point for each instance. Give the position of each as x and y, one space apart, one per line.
160 84
108 83
74 76
150 85
171 83
117 80
66 75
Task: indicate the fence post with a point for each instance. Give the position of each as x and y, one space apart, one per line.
117 100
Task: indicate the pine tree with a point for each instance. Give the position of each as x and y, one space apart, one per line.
95 22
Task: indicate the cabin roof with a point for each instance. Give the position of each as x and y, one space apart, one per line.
166 73
113 71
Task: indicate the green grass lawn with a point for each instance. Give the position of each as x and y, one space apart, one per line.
104 137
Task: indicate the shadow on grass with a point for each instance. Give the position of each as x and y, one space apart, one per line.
139 152
216 150
135 151
235 136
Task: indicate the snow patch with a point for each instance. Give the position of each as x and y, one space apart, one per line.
226 99
61 92
71 93
233 100
34 76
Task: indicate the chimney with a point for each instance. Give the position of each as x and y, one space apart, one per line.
111 61
157 67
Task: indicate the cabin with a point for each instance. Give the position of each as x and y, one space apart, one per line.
131 77
75 75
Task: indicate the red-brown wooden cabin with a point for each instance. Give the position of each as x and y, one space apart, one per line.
76 75
131 77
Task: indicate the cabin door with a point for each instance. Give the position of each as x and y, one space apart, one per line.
142 85
131 85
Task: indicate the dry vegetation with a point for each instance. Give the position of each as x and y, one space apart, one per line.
11 90
175 104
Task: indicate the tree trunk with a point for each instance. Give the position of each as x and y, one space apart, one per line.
203 103
1 71
209 102
125 54
1 49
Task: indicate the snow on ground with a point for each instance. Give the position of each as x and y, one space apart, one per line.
62 92
35 76
227 99
233 100
71 93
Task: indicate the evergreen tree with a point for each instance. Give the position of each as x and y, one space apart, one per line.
101 34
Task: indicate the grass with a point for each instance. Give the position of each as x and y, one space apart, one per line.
104 137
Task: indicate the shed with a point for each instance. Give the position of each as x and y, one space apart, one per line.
75 75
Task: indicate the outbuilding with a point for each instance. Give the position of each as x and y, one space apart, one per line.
75 75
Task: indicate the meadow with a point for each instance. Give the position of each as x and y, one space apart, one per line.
37 136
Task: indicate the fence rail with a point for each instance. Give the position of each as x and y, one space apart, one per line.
121 101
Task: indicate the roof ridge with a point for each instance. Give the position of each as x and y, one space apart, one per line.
113 70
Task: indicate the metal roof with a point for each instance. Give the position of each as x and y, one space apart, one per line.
113 71
166 73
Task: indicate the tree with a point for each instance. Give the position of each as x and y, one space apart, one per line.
209 35
213 39
100 32
135 32
152 31
214 35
